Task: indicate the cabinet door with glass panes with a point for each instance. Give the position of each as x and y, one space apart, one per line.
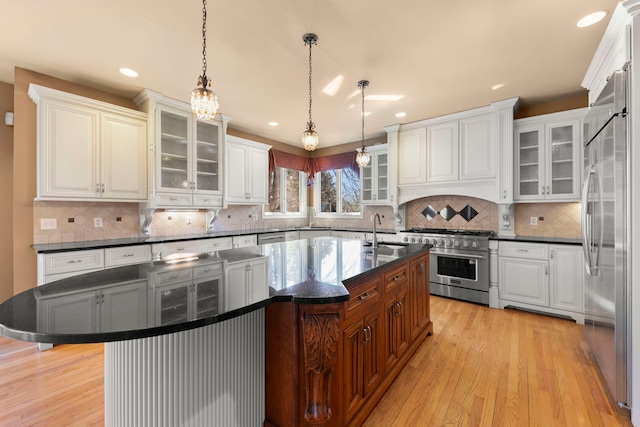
374 178
563 160
189 153
547 160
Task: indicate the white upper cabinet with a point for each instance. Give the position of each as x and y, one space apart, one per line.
374 178
442 152
548 153
466 153
478 148
186 154
89 150
412 157
247 171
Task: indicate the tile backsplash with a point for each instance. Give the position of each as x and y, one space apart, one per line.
122 220
486 218
560 219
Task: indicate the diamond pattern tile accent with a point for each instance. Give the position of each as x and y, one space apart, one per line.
429 212
468 213
448 213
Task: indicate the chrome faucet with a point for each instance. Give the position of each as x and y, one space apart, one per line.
374 244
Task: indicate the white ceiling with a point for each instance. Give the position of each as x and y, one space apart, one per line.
443 56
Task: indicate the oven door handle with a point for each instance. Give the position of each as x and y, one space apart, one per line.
458 255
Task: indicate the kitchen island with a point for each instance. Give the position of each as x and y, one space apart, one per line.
185 343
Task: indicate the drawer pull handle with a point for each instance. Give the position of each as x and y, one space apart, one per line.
74 261
523 251
128 255
398 277
364 296
174 199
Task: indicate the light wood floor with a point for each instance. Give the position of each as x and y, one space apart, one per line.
487 367
482 367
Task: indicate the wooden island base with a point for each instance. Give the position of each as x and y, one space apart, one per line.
329 364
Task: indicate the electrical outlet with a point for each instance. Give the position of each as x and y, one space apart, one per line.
97 222
48 224
254 217
533 220
188 220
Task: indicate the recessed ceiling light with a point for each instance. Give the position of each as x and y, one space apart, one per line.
591 18
401 114
498 86
273 123
383 97
128 72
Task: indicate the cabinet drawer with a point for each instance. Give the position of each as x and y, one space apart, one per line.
245 241
396 278
195 246
67 262
115 257
174 199
204 201
221 243
367 293
177 276
524 250
207 270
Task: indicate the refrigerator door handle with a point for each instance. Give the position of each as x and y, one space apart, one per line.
586 219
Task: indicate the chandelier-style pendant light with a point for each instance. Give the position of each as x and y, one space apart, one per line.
363 157
310 136
204 102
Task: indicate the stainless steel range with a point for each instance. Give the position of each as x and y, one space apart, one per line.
459 261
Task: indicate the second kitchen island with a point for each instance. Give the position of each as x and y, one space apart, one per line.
188 344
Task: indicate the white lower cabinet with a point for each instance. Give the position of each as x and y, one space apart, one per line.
542 277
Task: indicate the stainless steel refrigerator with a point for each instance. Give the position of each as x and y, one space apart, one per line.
605 228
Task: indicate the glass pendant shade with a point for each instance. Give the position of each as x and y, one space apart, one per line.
363 158
310 137
204 103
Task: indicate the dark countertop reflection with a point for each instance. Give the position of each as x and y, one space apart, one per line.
152 299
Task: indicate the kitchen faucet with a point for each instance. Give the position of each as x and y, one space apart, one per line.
374 244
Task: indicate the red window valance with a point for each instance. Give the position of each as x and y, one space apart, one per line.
280 159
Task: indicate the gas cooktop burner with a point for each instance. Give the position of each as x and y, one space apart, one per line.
480 233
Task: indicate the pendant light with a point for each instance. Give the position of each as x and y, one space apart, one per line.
204 101
310 136
363 157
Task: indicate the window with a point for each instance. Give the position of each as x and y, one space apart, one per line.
287 193
337 193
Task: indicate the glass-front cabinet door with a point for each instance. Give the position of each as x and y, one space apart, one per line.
374 178
563 173
174 151
207 176
529 162
382 184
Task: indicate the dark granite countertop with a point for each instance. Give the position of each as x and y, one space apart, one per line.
132 241
539 239
153 299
